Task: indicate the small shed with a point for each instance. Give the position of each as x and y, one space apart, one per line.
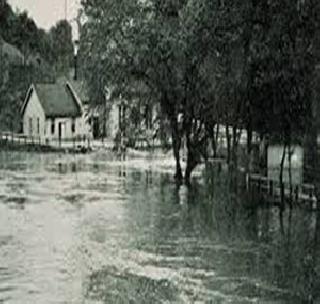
297 163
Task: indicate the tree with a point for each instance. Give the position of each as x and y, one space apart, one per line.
127 42
245 65
279 40
61 39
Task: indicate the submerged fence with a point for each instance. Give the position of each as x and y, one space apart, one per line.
23 141
302 192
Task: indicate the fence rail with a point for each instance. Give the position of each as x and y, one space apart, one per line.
15 139
299 192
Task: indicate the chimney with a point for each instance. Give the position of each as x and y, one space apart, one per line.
75 60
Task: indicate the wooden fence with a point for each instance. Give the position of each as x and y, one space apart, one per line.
298 192
21 140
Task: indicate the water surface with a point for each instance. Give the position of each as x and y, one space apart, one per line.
93 229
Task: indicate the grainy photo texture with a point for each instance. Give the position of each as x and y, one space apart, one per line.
159 151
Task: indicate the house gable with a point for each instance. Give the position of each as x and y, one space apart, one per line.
75 96
30 93
33 116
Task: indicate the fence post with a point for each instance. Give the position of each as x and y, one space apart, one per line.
296 193
259 185
282 193
219 167
271 187
310 197
248 181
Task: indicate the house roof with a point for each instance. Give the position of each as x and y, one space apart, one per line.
81 89
57 100
79 86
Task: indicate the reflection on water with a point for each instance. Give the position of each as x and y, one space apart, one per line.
90 229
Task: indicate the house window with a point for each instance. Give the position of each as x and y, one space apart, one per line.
73 125
30 126
52 126
38 125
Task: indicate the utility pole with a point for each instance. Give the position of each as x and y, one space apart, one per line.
77 42
66 9
78 20
1 63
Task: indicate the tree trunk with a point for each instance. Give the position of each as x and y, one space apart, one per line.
214 144
176 145
290 175
217 138
191 151
313 277
281 178
189 168
311 160
192 159
206 143
249 148
235 141
228 144
104 122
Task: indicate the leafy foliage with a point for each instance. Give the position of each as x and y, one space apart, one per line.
28 54
244 64
61 36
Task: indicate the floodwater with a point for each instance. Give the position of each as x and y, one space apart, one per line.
92 229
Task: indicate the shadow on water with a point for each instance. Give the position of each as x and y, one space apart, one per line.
283 246
278 251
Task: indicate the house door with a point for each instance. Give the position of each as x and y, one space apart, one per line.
61 130
95 127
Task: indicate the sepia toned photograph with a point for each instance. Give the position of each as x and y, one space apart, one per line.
159 151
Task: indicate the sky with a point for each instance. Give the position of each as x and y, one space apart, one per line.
47 12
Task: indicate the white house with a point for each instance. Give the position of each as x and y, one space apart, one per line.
95 113
53 112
